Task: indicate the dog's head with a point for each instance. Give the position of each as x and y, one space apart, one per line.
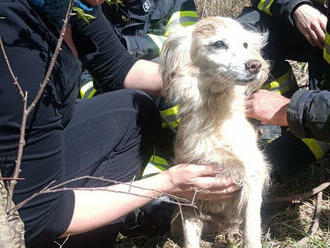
217 49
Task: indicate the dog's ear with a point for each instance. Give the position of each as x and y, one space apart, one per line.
175 60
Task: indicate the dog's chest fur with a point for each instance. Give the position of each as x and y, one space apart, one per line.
224 138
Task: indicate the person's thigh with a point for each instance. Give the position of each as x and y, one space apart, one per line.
110 136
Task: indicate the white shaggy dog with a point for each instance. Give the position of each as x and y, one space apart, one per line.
207 69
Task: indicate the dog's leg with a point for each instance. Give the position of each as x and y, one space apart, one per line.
252 218
192 230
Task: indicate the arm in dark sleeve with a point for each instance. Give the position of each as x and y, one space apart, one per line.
101 51
309 114
281 9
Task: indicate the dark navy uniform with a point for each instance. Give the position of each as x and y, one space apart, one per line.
63 142
308 134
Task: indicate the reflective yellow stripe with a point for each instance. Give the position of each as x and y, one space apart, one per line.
170 111
158 40
156 165
170 115
158 160
177 15
92 93
264 5
172 123
314 147
85 88
282 84
326 50
182 18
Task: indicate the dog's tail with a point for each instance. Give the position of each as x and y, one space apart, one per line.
174 59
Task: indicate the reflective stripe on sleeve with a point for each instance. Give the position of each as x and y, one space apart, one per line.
318 148
319 1
264 5
171 116
182 18
326 50
282 84
155 165
87 90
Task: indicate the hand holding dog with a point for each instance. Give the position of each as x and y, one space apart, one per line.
268 107
186 179
311 23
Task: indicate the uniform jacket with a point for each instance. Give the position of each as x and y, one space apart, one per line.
309 110
142 24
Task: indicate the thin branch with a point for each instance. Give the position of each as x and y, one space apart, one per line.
27 109
63 243
60 187
10 69
318 209
54 57
299 197
11 178
22 203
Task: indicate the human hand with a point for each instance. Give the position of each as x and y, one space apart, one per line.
311 23
268 107
187 179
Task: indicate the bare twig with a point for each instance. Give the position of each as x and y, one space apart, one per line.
61 187
21 142
11 178
10 69
63 243
299 197
318 208
316 222
27 109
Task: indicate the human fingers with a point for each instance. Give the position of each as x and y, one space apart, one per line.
183 176
252 108
222 194
200 170
316 38
212 183
323 23
309 39
210 194
249 110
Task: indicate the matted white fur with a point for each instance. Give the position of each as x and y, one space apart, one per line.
207 69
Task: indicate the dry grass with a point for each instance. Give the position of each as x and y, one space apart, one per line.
230 8
284 224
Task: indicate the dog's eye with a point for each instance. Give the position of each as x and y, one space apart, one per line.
245 45
219 44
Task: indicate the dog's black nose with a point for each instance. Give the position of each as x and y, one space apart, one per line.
253 65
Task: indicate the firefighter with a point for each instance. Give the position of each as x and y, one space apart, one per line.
297 131
142 27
